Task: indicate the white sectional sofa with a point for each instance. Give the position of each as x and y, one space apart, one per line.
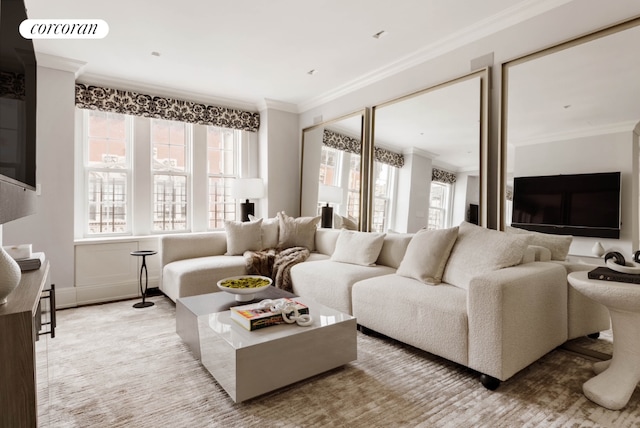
495 321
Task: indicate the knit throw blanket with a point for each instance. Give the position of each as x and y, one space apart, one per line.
276 264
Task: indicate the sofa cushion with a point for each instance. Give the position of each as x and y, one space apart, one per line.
393 249
330 283
199 275
478 250
427 255
557 244
243 236
431 318
297 232
270 231
360 248
341 222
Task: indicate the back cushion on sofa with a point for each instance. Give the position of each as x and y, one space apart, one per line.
427 255
270 231
243 236
297 232
478 250
359 248
557 244
393 249
326 240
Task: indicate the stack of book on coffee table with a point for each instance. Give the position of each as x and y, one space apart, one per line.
255 316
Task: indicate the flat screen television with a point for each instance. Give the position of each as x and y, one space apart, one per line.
572 204
18 86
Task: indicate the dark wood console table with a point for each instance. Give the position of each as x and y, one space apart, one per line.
20 321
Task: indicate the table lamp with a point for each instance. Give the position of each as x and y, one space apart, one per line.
328 194
247 188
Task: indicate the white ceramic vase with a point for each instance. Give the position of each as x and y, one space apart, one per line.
9 275
597 249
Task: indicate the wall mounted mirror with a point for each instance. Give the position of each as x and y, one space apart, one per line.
430 151
575 109
332 171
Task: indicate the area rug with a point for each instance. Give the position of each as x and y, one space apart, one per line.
115 366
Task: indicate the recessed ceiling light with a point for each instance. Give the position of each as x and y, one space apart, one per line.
312 72
380 34
154 53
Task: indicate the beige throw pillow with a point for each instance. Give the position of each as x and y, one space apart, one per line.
427 255
358 248
557 244
297 232
243 236
478 250
270 231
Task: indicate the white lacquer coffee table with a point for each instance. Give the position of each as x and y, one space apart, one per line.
618 377
250 363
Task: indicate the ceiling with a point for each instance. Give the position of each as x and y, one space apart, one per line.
246 52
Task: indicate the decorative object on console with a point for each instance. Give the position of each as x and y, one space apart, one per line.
328 194
10 275
270 312
247 188
597 249
32 263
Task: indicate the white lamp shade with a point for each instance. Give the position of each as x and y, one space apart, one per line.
330 194
247 188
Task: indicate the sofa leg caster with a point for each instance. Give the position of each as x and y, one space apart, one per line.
593 335
489 382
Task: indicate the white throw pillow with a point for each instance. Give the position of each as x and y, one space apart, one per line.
478 250
359 248
270 231
243 236
297 232
557 244
427 255
340 222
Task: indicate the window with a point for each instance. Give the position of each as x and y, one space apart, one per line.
439 204
383 177
107 172
142 176
170 172
222 166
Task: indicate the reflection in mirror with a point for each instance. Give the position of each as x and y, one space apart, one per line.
427 149
331 171
575 109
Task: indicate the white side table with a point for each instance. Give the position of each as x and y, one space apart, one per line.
617 378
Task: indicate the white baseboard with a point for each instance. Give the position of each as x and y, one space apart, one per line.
70 297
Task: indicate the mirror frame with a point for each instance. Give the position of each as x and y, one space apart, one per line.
484 75
504 98
365 154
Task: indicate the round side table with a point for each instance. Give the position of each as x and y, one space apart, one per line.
618 377
143 267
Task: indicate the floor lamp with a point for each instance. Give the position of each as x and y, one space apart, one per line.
247 188
328 194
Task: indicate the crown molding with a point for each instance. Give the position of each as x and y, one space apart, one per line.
578 133
60 63
269 104
498 22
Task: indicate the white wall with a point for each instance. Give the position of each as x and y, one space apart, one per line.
602 153
51 229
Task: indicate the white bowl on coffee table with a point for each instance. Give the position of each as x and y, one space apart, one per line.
244 294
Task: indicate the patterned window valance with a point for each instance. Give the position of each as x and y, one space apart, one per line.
509 193
387 156
12 85
352 145
341 142
134 103
443 176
